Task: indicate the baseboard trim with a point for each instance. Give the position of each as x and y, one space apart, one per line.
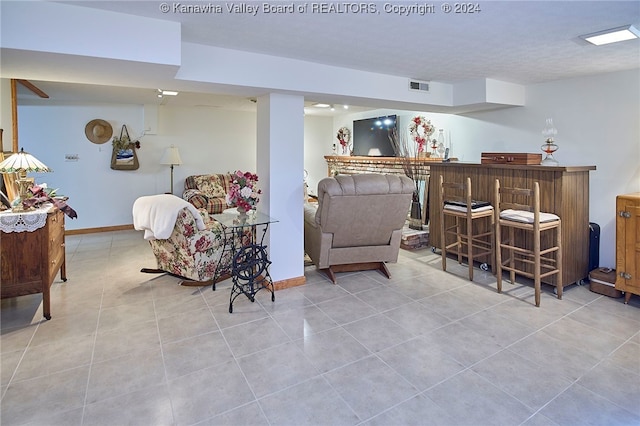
289 282
95 230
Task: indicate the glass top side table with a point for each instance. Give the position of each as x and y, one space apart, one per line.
250 262
232 220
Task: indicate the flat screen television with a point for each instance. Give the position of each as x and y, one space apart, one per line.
371 136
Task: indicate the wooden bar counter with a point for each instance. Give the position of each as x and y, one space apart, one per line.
563 191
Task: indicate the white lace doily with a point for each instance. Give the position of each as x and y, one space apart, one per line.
24 221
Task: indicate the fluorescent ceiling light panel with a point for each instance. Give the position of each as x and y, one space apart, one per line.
169 93
628 32
320 105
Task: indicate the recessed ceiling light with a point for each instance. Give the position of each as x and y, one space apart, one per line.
169 93
628 32
321 105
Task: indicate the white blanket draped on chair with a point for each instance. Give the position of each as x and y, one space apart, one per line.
156 215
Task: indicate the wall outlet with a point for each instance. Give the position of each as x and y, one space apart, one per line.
71 157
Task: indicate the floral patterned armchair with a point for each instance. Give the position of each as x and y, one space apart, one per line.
191 253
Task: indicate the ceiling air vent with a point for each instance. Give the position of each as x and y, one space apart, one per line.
420 86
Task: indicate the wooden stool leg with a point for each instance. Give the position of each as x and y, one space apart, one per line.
470 248
492 256
443 243
512 255
536 265
498 255
458 240
559 284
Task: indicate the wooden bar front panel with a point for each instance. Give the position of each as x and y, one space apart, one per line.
563 191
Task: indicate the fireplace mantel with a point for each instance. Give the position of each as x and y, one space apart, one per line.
350 165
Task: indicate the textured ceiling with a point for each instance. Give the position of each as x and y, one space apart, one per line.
514 41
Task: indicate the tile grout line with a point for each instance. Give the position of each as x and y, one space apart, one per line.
93 350
164 364
24 352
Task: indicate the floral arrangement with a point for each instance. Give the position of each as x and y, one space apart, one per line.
344 137
41 194
419 123
243 191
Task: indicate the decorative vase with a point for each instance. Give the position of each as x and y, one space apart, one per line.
441 148
242 213
415 218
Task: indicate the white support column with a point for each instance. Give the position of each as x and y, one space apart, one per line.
6 115
280 168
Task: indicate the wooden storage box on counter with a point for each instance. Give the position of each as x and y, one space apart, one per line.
510 158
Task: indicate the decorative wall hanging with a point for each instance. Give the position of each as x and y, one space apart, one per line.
344 137
421 130
98 131
124 156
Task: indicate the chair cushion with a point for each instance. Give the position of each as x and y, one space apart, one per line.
526 217
210 185
464 209
474 204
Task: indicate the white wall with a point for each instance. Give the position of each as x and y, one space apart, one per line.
209 140
318 133
598 122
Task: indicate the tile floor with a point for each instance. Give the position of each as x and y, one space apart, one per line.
425 348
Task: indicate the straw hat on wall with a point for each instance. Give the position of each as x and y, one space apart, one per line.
98 131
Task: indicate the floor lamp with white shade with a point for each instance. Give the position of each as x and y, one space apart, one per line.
171 157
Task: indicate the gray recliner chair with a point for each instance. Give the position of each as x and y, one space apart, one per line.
357 224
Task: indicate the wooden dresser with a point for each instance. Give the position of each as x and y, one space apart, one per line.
564 190
30 260
628 244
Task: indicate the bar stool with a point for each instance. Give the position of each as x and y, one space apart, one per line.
518 209
456 201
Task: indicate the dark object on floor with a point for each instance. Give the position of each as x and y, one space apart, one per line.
602 281
594 246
